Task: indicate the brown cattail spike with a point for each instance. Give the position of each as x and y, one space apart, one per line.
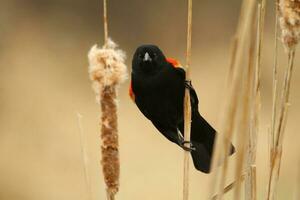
110 152
107 70
289 19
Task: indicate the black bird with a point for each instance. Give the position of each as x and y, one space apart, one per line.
157 87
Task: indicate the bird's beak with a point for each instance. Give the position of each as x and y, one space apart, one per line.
147 57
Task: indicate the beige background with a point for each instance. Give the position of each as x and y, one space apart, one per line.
44 83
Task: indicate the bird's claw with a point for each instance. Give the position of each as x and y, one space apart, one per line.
190 148
188 84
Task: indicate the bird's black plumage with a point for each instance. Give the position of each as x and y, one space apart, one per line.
158 90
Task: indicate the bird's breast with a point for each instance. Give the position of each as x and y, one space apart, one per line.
159 96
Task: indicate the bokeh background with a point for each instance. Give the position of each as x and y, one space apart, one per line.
44 84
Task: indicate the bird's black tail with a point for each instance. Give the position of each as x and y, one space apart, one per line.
202 138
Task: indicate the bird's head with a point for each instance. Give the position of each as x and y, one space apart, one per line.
148 58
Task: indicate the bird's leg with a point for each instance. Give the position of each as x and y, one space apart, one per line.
182 143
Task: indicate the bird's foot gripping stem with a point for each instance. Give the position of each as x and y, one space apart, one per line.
188 84
190 148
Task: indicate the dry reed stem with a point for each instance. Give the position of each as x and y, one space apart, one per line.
187 104
275 69
272 177
85 161
285 96
254 91
274 108
250 183
274 89
297 189
231 108
218 154
235 43
251 82
187 114
105 22
254 182
243 127
110 195
228 188
276 152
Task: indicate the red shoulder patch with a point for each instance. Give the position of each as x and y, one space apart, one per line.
175 63
131 94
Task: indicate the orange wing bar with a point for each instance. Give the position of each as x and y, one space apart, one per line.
175 63
131 94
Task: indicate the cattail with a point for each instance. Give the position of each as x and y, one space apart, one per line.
289 18
187 104
107 70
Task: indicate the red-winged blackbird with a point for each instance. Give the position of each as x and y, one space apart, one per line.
157 87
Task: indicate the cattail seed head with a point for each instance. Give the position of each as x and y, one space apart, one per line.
107 70
289 19
106 66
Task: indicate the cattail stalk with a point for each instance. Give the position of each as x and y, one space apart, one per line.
187 104
289 18
276 152
274 105
107 71
274 88
105 22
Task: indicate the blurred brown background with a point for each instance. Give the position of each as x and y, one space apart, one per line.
44 83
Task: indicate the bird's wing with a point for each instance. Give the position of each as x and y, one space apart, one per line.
194 99
180 70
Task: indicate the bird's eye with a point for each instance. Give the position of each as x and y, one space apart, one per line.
140 56
154 55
